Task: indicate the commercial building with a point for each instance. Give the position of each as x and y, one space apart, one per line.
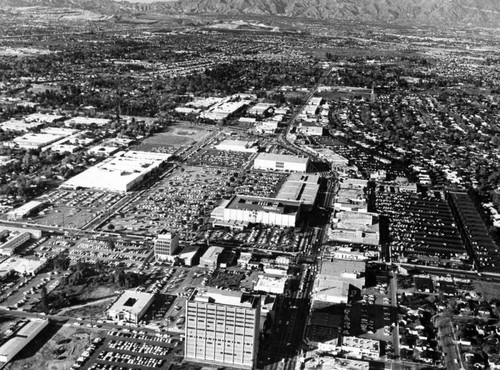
222 328
23 336
242 210
14 242
222 111
166 245
355 227
190 255
120 173
238 146
271 284
35 140
130 306
360 347
336 279
22 265
280 162
87 121
210 258
25 210
300 187
260 109
310 129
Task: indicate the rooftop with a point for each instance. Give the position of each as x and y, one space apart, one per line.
282 158
132 301
249 203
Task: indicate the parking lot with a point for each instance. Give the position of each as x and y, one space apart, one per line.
24 294
180 202
74 208
262 237
126 348
220 158
421 226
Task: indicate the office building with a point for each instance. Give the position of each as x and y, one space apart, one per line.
166 245
222 328
130 306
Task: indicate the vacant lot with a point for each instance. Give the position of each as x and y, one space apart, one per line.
56 347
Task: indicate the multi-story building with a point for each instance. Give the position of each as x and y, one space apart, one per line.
166 245
222 327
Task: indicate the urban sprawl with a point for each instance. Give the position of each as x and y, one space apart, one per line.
245 197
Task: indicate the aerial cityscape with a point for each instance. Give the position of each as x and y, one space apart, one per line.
260 184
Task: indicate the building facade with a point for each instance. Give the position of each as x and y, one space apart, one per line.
224 333
166 245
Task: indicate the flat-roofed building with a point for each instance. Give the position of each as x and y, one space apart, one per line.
22 265
359 347
222 328
120 173
87 121
281 162
166 245
271 284
21 338
310 129
237 146
211 257
300 187
130 306
336 279
13 243
267 211
25 210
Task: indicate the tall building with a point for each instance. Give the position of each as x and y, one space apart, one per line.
222 327
166 245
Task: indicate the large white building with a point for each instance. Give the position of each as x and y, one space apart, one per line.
222 328
25 210
237 146
242 210
119 173
130 306
280 162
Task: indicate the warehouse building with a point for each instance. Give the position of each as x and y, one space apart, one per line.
21 339
222 328
281 162
120 173
130 306
14 242
25 210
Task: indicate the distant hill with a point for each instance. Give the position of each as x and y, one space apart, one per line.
437 12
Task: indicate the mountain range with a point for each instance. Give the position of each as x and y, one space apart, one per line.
483 13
